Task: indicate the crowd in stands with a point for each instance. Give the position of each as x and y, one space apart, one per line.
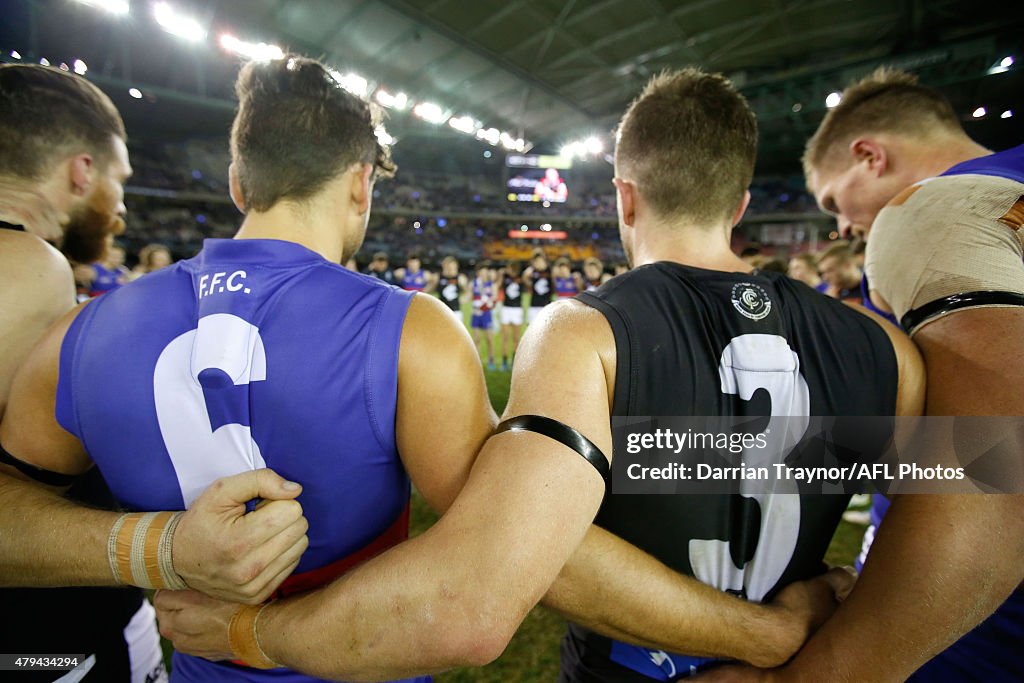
177 197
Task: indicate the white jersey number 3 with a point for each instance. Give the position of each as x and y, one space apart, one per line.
751 362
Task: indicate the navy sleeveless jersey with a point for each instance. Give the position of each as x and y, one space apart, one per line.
450 291
540 289
513 289
255 353
699 342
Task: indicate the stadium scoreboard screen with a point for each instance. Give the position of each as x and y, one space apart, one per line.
537 178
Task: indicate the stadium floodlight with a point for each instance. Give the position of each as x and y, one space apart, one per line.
1008 114
463 124
490 135
118 7
259 52
593 145
354 83
520 145
383 137
44 61
135 92
386 99
180 25
979 112
80 67
1006 62
15 54
507 141
833 100
430 112
546 227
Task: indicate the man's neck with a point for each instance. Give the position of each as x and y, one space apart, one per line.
28 207
689 246
935 159
288 224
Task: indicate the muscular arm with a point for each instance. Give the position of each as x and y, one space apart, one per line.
36 288
940 564
619 591
443 413
44 520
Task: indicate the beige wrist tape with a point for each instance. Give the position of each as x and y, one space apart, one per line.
245 643
139 550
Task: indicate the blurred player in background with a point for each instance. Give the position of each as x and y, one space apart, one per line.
412 278
485 298
538 281
152 257
566 281
511 312
804 267
593 274
451 285
551 188
942 218
379 269
111 272
840 272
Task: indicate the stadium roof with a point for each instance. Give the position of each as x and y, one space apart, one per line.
546 72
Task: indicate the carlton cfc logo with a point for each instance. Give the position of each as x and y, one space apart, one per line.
751 300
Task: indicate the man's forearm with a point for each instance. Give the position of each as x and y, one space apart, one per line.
46 540
454 595
619 591
939 566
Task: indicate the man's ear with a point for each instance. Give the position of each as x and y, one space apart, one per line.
81 170
871 152
360 188
741 209
627 197
235 188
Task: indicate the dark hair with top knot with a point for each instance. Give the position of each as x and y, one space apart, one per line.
297 129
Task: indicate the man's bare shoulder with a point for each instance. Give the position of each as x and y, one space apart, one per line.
35 278
562 339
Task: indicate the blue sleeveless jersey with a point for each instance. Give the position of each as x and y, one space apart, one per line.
106 280
255 353
565 287
1006 164
415 282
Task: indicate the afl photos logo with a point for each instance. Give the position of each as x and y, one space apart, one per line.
751 300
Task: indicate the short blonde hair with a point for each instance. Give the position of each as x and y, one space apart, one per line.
886 101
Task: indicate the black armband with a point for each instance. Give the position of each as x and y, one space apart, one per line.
48 477
919 316
563 434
